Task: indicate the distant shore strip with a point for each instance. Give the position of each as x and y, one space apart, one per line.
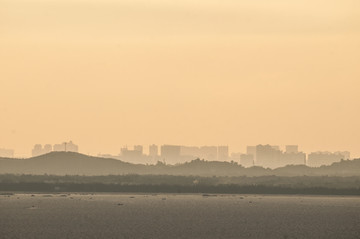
213 189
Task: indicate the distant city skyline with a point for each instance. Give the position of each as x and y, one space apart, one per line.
146 148
271 156
47 148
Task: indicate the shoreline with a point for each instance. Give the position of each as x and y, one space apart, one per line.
173 189
67 194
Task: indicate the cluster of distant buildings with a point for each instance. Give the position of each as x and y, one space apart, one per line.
6 153
172 154
268 156
47 148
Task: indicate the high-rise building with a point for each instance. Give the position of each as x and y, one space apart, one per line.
290 149
247 160
204 152
138 148
192 152
298 158
223 153
59 147
133 156
37 150
317 159
66 146
345 155
71 147
153 150
208 153
171 153
268 156
251 150
235 157
47 148
6 153
40 150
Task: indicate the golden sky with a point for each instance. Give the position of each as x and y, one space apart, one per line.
108 73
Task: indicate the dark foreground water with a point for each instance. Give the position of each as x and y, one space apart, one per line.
178 216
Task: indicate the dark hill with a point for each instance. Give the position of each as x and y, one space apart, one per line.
69 163
61 163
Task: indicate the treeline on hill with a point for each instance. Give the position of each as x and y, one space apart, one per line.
182 184
68 163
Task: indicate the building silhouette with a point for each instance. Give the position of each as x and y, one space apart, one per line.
37 150
291 149
204 152
132 155
223 153
247 160
235 157
270 156
171 153
66 146
317 159
139 148
345 154
153 151
179 153
6 153
251 150
293 159
190 152
209 152
48 148
40 150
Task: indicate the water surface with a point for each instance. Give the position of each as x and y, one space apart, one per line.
178 216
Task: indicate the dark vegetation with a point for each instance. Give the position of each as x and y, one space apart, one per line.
73 172
182 184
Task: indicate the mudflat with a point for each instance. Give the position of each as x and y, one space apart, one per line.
178 216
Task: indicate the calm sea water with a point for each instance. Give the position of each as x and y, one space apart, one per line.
178 216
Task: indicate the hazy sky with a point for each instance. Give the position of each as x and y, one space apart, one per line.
108 73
